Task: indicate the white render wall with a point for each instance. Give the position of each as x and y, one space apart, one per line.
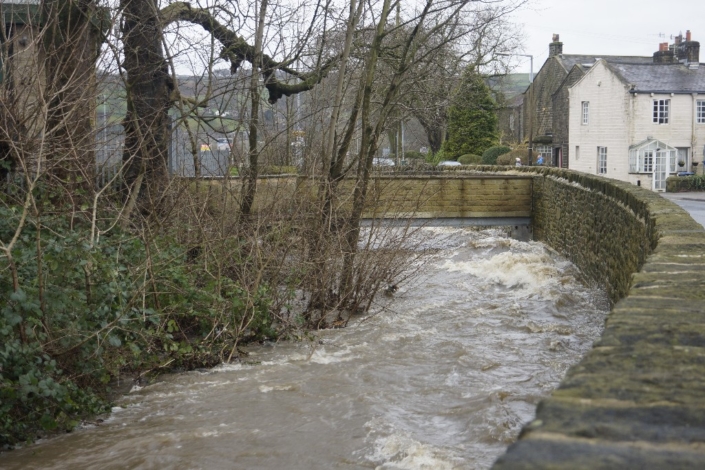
619 119
607 126
681 130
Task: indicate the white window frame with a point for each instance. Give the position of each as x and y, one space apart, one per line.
661 111
601 160
577 152
586 112
643 158
546 151
647 162
700 111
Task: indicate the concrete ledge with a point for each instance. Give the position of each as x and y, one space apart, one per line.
637 400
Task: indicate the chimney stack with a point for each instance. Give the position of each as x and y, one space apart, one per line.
688 51
664 55
556 47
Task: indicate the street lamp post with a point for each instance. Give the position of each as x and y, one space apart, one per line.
531 63
531 81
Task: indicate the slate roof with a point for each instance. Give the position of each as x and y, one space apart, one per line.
660 78
569 60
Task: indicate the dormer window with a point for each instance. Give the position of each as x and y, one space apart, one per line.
661 110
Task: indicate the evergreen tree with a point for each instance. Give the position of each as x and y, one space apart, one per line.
472 120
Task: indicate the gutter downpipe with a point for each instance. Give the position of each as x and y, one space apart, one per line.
693 139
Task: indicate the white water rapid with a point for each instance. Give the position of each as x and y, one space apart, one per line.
442 377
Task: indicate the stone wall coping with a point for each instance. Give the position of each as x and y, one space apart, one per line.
637 399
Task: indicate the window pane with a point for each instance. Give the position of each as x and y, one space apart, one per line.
661 110
601 160
648 161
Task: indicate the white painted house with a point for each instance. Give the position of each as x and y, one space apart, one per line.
639 122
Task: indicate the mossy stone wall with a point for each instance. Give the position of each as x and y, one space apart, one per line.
637 400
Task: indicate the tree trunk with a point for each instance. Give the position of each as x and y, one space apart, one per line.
368 147
249 189
149 88
435 133
323 295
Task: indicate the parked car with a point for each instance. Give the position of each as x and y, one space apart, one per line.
449 163
383 162
223 144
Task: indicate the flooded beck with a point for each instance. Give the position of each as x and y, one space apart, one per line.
443 376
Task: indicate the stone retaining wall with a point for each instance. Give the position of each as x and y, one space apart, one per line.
418 196
450 196
637 400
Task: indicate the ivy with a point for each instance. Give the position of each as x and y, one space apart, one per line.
85 313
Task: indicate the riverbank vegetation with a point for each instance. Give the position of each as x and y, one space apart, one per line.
112 267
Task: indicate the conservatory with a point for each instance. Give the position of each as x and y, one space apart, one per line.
654 158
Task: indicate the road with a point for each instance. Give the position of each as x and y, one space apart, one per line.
694 203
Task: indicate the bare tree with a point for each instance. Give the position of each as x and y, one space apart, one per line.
390 59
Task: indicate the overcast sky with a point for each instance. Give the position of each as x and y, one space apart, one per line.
608 27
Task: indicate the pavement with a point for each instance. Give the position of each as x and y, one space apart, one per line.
694 203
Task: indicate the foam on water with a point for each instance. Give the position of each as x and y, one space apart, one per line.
396 450
442 376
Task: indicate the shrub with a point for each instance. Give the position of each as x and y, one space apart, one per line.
84 311
489 156
470 159
507 159
510 158
413 155
676 184
435 158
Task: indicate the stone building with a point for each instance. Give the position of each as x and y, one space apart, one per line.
508 93
21 57
48 58
640 122
545 103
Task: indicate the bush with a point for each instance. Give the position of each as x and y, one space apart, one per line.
507 159
83 312
676 184
470 159
434 158
510 158
413 155
489 156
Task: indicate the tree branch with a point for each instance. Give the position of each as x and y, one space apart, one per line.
237 50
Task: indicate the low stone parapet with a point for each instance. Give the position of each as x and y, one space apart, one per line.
637 399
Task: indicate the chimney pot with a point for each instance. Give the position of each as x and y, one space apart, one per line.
687 35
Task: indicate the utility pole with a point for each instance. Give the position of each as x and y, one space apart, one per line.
531 95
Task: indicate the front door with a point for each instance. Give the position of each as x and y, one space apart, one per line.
660 171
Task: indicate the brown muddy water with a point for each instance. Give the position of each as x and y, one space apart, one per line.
442 377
